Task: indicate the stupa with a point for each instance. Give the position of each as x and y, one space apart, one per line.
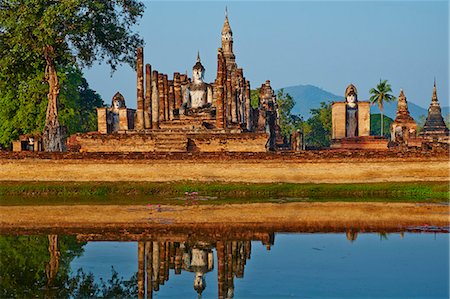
435 129
404 127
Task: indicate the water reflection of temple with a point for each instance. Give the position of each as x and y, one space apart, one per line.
156 256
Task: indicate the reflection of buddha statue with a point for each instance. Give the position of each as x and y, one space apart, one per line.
351 99
117 103
199 94
199 259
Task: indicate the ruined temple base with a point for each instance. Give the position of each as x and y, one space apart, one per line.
168 141
361 143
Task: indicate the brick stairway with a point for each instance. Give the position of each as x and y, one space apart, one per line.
170 142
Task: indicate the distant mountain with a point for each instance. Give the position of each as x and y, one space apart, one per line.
310 96
307 97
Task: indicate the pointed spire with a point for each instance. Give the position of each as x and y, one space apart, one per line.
434 97
401 95
198 56
226 25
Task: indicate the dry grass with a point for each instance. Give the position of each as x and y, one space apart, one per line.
300 215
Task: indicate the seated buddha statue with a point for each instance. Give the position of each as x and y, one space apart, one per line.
199 93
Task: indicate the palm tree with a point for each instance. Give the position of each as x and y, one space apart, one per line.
381 94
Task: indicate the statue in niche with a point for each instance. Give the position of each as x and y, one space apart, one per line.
198 95
351 100
198 258
118 102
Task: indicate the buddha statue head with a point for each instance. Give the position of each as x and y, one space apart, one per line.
198 71
118 101
351 96
199 282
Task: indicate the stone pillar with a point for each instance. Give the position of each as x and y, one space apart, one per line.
148 97
184 85
141 269
229 101
171 99
123 119
161 96
220 249
248 106
177 90
162 261
363 118
102 122
166 97
219 92
178 259
338 111
155 101
149 269
139 121
155 266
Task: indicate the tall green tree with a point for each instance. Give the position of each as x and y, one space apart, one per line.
23 103
54 33
380 95
289 123
317 128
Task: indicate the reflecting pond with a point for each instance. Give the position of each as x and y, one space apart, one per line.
245 265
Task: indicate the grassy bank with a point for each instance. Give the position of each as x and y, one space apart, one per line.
49 193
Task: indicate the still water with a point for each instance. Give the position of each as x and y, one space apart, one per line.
257 265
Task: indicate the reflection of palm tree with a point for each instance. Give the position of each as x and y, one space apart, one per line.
381 94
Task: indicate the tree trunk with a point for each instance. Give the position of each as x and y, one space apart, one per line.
54 134
382 122
51 269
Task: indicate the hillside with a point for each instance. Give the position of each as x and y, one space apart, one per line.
310 96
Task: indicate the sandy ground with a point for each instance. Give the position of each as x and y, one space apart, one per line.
226 171
279 217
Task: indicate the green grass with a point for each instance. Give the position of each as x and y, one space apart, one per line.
52 193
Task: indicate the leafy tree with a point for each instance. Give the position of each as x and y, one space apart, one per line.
23 261
289 123
379 95
421 123
24 102
254 98
317 128
54 33
375 125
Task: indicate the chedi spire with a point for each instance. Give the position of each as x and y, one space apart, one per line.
434 128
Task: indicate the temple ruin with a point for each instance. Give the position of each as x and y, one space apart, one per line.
351 124
182 114
435 129
404 127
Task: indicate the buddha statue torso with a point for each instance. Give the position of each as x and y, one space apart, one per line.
199 93
351 99
117 103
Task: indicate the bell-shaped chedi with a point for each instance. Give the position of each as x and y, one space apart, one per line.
404 126
435 128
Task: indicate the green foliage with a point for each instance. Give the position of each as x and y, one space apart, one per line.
375 125
289 123
23 275
75 193
421 123
317 128
37 34
24 104
254 98
379 95
77 30
23 260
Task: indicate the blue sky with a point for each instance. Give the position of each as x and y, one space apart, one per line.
326 44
